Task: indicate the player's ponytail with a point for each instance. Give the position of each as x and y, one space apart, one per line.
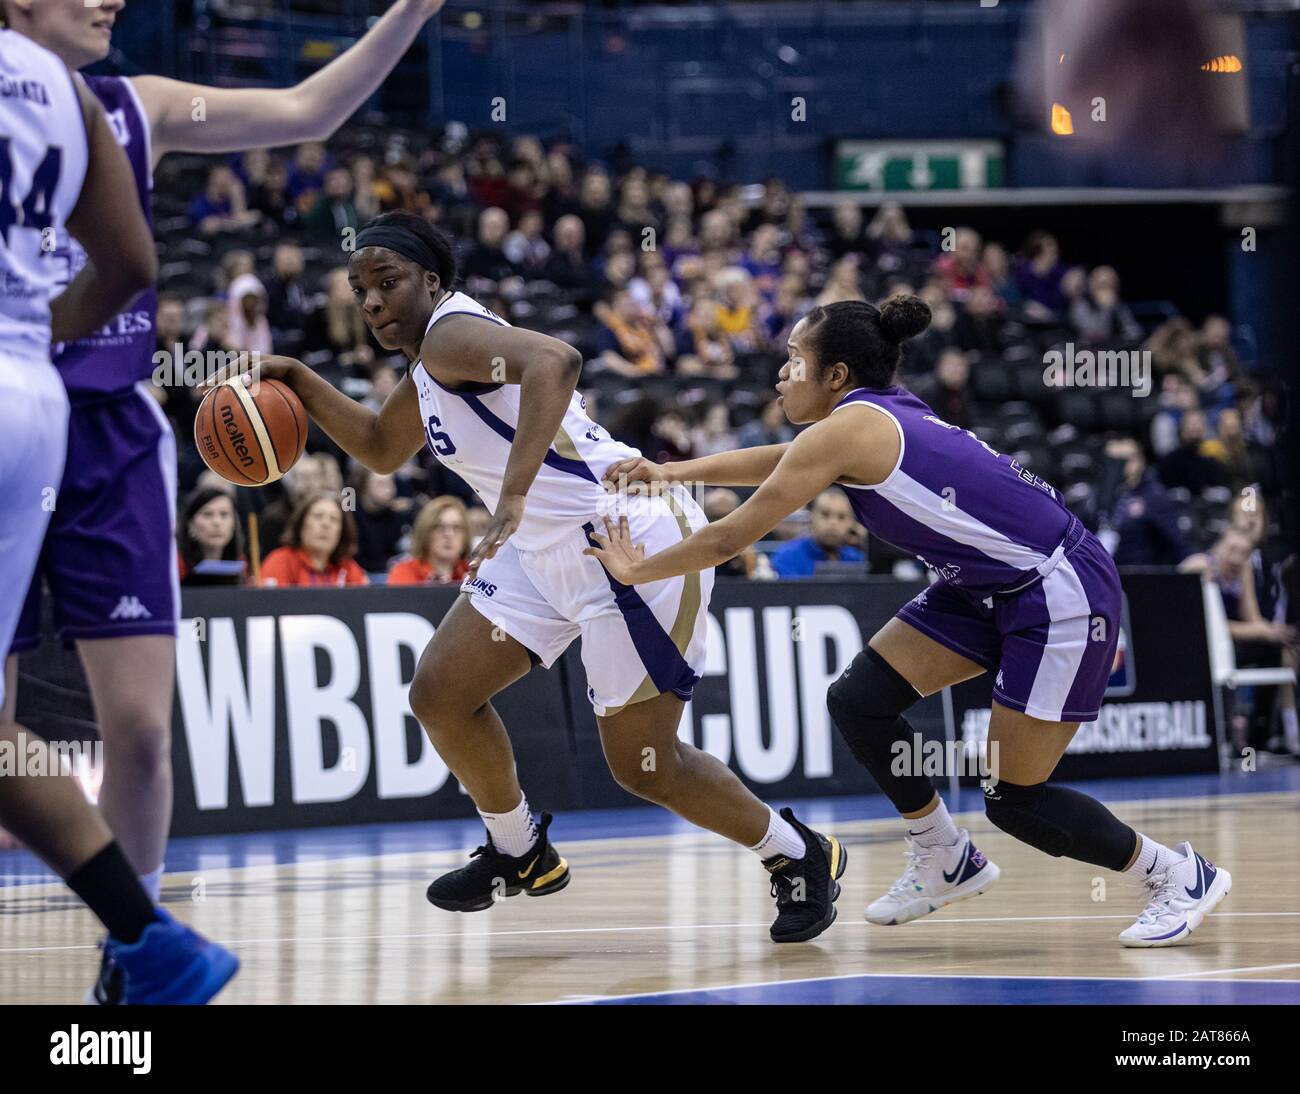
866 338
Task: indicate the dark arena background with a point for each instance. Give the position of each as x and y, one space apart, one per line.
1096 201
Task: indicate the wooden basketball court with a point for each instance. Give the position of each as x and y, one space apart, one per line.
658 912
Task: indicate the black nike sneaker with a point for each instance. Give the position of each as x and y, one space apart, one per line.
806 888
492 876
107 991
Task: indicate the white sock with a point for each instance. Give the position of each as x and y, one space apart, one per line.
1290 730
934 829
152 883
782 838
512 833
1153 858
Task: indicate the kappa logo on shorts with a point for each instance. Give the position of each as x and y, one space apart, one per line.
129 607
999 679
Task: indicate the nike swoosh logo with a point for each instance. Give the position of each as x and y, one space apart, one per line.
1195 894
1153 864
529 868
950 878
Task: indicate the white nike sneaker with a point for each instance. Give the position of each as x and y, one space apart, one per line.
1180 898
934 876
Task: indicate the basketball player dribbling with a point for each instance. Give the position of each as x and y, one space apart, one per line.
498 406
110 555
1024 591
61 170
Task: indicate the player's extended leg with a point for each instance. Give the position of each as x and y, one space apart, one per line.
1182 886
899 666
469 661
135 724
648 759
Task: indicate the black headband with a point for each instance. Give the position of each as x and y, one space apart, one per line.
400 240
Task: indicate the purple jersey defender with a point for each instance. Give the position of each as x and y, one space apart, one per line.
109 555
1024 589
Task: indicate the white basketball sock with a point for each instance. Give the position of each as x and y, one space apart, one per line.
512 833
1153 858
782 838
935 829
152 883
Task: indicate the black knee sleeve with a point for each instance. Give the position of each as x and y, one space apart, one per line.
866 704
1060 822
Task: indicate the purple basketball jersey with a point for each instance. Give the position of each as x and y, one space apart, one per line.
120 355
974 516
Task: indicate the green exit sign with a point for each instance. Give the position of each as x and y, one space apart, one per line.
887 166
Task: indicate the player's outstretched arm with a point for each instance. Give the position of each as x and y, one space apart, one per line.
861 447
193 118
113 231
744 467
382 442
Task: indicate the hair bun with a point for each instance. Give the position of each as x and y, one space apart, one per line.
904 317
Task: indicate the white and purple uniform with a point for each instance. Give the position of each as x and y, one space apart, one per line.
109 556
1023 588
44 156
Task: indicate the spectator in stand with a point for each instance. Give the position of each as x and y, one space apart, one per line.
383 382
827 541
1143 525
333 211
1173 346
707 350
789 306
949 394
762 260
525 248
721 502
847 234
287 303
208 530
1039 274
169 325
249 329
844 282
398 187
1257 642
339 328
1188 466
714 433
304 479
657 293
770 427
365 182
634 214
630 342
439 546
567 266
222 207
670 438
1001 281
889 237
1228 446
1177 397
487 258
382 518
978 326
1099 315
962 269
307 175
271 198
234 265
737 309
595 209
1217 363
319 547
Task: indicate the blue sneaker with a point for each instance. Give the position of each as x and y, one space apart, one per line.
172 964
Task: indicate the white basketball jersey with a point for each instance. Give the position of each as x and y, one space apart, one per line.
470 430
44 151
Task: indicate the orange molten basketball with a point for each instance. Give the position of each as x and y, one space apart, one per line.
250 434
